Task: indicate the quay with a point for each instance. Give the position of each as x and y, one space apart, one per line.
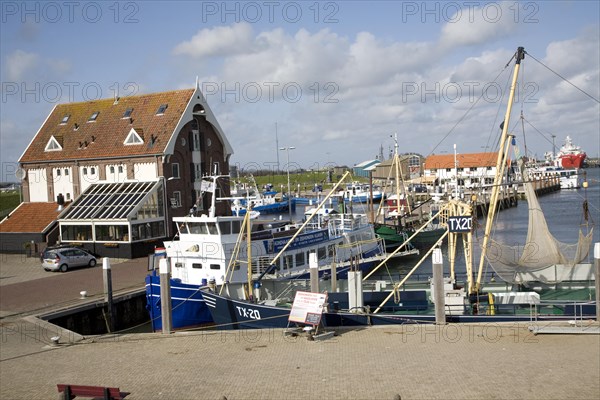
397 362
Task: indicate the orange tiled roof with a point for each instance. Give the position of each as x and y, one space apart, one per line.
471 160
106 135
30 218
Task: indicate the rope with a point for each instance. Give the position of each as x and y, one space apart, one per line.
563 78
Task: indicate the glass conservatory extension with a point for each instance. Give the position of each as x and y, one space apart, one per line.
116 212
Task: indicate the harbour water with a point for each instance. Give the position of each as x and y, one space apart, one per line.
564 215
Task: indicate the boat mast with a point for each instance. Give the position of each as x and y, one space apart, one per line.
249 247
500 166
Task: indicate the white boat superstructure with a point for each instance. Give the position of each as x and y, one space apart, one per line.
205 249
570 178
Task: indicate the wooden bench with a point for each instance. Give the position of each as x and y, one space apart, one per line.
68 392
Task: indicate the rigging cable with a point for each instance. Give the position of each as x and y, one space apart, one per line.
563 78
461 119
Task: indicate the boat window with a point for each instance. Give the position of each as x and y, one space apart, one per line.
225 227
235 227
322 253
299 259
331 250
288 261
215 266
178 265
212 228
197 228
197 265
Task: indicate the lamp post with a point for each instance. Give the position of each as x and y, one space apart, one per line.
287 150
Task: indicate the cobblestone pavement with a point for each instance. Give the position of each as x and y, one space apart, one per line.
488 361
491 361
25 287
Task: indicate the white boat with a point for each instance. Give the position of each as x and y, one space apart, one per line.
357 192
570 178
206 245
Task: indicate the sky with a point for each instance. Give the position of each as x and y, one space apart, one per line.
334 79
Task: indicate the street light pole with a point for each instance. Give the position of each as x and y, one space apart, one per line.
287 149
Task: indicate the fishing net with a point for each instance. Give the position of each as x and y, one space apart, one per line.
542 258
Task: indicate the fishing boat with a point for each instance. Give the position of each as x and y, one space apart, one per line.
207 247
254 305
402 216
268 202
357 192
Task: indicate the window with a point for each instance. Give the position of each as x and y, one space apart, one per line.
448 169
215 266
112 169
133 138
53 145
176 199
127 113
197 266
66 172
225 227
120 169
299 259
161 110
196 137
94 116
85 171
198 174
175 170
65 119
58 172
92 170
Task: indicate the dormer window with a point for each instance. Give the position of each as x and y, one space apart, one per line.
161 110
134 137
93 116
127 113
53 145
65 119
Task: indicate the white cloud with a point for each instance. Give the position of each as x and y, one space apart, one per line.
372 76
478 24
218 41
19 63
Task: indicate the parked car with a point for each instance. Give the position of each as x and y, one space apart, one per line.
65 258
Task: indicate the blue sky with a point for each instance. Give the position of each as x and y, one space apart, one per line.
338 78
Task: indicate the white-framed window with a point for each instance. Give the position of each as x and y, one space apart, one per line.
93 117
53 145
133 138
175 170
176 199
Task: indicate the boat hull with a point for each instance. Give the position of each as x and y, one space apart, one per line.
572 160
230 313
188 306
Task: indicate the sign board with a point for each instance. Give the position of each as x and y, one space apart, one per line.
307 308
462 223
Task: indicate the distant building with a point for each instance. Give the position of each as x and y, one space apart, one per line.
470 170
116 171
410 167
363 168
